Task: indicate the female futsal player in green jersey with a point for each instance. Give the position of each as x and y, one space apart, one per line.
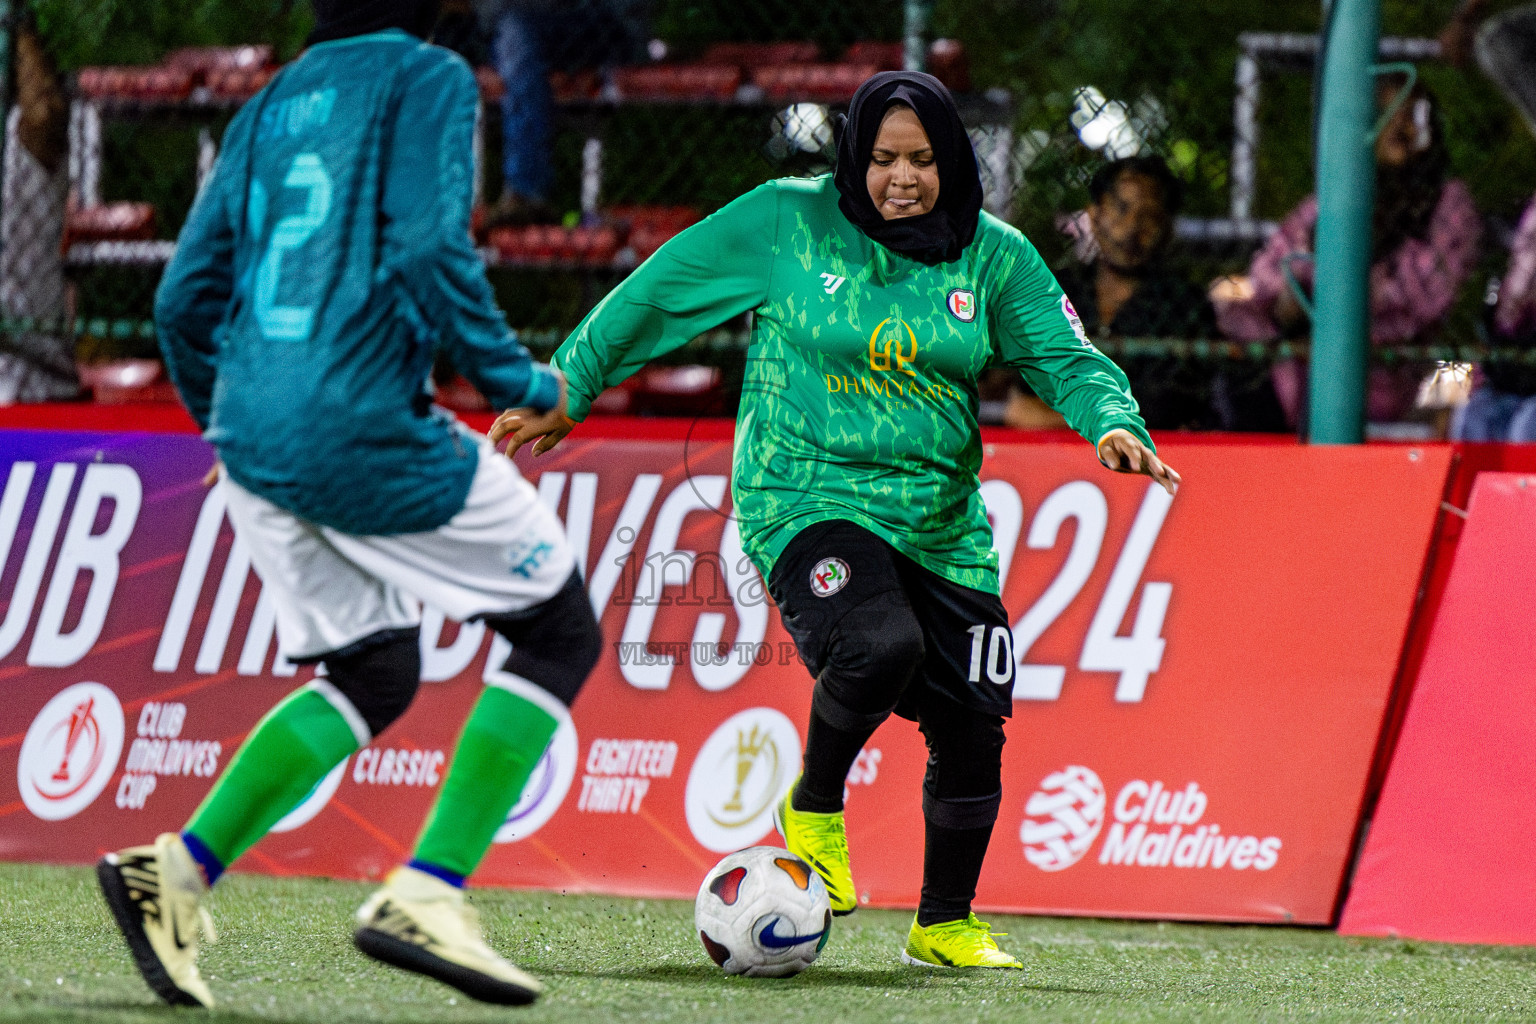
878 293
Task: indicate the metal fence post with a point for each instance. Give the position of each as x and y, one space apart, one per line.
1346 183
915 35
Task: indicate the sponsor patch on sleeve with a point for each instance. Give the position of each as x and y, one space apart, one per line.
1068 311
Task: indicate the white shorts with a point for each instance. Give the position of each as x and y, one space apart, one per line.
503 552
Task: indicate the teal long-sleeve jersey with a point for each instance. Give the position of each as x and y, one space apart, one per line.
325 262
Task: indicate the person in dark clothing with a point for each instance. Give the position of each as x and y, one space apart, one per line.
1129 291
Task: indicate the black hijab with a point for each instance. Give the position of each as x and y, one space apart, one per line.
338 19
941 234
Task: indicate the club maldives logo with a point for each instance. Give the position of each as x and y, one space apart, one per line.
829 576
1154 826
1062 818
888 349
70 751
962 305
551 778
743 769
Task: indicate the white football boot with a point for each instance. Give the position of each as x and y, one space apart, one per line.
423 924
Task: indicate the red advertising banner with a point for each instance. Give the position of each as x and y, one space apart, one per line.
1201 682
1449 856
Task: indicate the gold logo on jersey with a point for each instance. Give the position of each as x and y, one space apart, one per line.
887 352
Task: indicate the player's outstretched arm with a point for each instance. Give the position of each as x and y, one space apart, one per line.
714 270
1123 452
519 426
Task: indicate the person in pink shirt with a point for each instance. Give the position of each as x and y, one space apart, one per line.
1502 407
1424 240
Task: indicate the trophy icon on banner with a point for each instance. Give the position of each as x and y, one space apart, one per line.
749 746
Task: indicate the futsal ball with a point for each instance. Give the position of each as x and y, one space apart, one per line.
763 912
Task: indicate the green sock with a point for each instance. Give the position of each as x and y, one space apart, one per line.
503 739
277 766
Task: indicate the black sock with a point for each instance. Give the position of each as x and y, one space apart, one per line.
829 754
951 865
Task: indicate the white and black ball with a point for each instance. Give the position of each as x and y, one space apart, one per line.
763 912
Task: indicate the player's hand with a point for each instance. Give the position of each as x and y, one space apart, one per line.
212 476
1123 452
519 426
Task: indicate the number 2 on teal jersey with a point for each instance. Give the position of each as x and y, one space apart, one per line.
289 323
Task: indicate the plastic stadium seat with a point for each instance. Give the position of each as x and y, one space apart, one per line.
648 227
761 55
678 391
886 56
544 245
679 82
825 83
239 83
574 86
666 391
204 60
127 380
647 238
136 84
948 63
637 216
618 400
110 222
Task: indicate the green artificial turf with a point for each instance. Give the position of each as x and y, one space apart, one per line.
285 955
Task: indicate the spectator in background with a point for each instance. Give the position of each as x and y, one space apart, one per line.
529 39
1502 406
1424 241
35 365
1125 288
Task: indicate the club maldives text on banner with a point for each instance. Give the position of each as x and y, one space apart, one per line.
1202 680
1448 856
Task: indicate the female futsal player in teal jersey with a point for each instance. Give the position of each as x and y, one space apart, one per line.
879 294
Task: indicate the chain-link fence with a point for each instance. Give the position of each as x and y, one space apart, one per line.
1159 154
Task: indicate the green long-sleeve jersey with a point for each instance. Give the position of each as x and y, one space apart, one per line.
859 400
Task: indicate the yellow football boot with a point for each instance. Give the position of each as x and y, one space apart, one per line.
821 841
964 943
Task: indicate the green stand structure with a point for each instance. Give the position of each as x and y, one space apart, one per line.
1346 184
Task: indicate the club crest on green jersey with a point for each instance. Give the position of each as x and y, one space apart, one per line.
829 576
962 304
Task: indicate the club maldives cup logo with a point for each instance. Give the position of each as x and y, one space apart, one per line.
829 576
70 751
1063 818
962 305
743 769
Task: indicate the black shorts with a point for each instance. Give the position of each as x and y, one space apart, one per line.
967 642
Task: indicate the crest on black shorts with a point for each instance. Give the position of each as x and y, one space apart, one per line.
829 576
